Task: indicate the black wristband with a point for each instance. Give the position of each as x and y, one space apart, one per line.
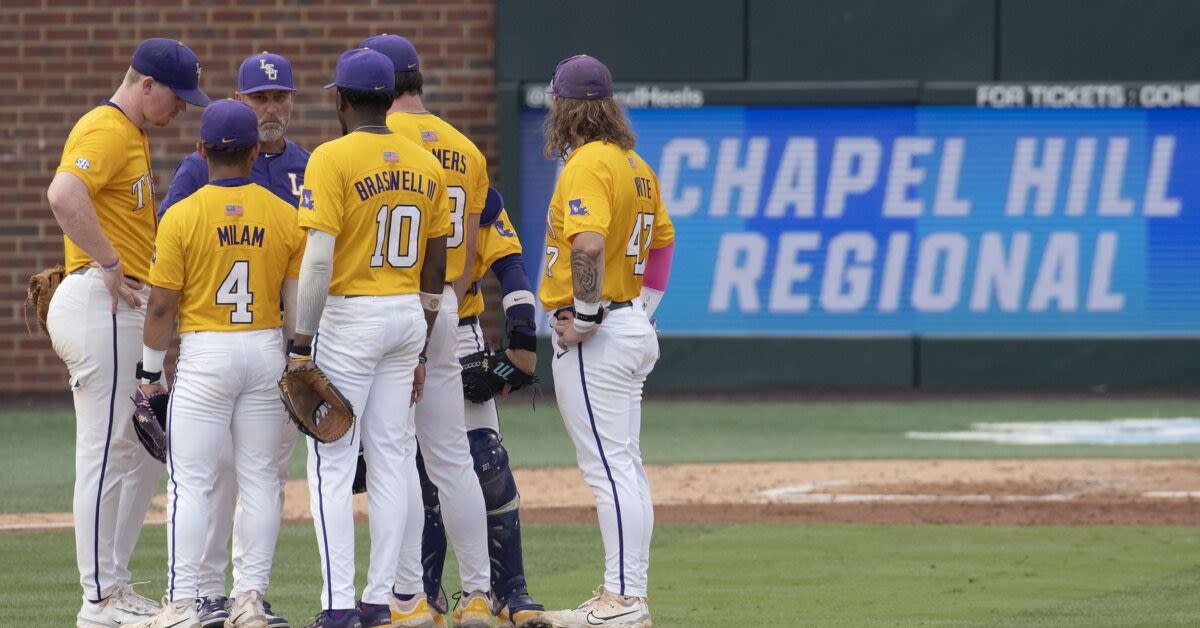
150 376
590 318
300 351
524 342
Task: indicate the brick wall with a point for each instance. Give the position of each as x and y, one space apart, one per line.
60 57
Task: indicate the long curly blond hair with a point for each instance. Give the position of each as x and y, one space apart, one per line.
571 123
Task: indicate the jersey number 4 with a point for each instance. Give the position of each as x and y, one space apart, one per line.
639 242
235 291
399 232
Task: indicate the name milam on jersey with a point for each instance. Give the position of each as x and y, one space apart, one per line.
390 180
230 235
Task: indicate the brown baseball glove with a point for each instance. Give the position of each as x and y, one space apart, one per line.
41 290
315 405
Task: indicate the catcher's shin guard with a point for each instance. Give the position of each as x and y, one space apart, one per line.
502 501
433 536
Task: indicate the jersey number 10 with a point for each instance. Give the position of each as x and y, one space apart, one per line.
399 232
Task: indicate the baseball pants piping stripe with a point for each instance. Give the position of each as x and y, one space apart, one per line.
321 498
174 500
324 531
478 345
112 402
607 471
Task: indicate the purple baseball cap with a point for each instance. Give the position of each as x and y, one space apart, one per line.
265 71
364 70
173 64
582 78
229 123
401 51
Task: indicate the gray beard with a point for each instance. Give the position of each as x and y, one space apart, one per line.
273 135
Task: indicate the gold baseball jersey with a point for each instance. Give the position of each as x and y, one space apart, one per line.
496 240
465 171
382 196
611 191
112 158
227 249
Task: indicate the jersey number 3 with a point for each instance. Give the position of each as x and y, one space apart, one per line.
235 291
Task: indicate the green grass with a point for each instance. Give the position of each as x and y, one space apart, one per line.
760 575
38 455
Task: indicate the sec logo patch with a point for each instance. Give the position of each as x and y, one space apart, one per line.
83 164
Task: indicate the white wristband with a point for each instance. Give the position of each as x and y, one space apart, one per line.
152 359
585 308
583 327
431 302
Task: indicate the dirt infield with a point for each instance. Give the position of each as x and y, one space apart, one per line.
999 492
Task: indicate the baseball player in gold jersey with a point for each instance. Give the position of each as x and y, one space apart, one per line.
443 453
375 208
605 218
221 259
103 199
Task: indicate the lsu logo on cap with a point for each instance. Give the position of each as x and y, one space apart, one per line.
234 210
268 69
306 199
577 208
391 156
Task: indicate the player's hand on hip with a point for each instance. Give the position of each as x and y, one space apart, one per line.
418 389
120 287
568 336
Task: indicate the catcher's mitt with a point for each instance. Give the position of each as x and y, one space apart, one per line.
41 290
477 386
315 405
502 371
150 422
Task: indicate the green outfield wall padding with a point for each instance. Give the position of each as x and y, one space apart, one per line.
1058 364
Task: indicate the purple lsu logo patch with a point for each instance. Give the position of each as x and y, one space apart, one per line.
503 230
577 208
306 199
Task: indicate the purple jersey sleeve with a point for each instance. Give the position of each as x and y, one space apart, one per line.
190 175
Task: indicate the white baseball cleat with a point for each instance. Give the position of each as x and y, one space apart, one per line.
132 599
605 609
247 611
182 613
119 609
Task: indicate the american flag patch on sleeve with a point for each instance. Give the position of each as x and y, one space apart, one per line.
233 210
390 156
429 136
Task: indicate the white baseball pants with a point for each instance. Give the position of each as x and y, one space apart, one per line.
442 435
599 388
115 478
225 389
227 512
368 346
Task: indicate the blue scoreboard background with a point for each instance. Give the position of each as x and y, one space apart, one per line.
951 221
